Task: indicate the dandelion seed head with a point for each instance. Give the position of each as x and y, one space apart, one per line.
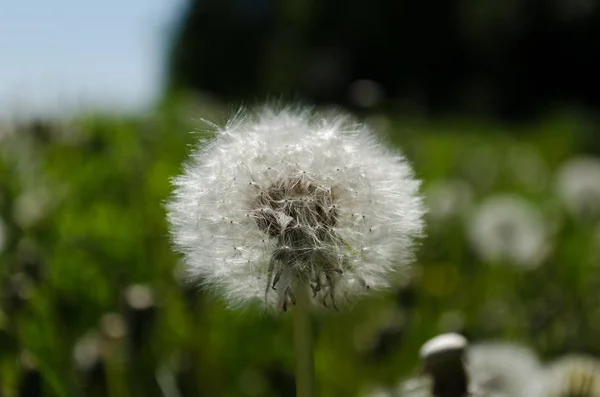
281 195
507 228
572 376
577 185
502 370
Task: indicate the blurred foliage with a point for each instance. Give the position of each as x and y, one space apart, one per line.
92 302
508 59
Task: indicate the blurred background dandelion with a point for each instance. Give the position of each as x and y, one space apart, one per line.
494 103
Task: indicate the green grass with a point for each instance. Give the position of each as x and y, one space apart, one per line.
99 185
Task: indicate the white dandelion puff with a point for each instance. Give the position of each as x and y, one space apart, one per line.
280 196
572 376
507 228
502 369
578 186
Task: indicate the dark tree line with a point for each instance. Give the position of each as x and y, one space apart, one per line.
505 58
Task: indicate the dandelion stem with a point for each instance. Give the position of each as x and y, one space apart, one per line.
303 342
451 381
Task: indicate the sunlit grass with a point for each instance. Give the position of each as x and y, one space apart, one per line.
102 228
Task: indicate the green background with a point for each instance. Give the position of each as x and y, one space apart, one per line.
82 207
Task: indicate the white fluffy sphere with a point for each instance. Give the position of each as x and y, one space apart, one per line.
287 195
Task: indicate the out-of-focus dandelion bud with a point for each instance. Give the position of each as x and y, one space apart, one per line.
30 384
87 351
140 313
113 326
442 359
88 355
443 348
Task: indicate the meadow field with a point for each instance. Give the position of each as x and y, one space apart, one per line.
93 301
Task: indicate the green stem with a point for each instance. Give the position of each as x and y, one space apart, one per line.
303 343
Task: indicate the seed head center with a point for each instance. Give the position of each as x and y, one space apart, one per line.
300 214
295 206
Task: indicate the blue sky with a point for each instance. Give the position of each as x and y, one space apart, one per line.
69 55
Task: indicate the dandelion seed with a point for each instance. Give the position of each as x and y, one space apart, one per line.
578 186
507 228
281 196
